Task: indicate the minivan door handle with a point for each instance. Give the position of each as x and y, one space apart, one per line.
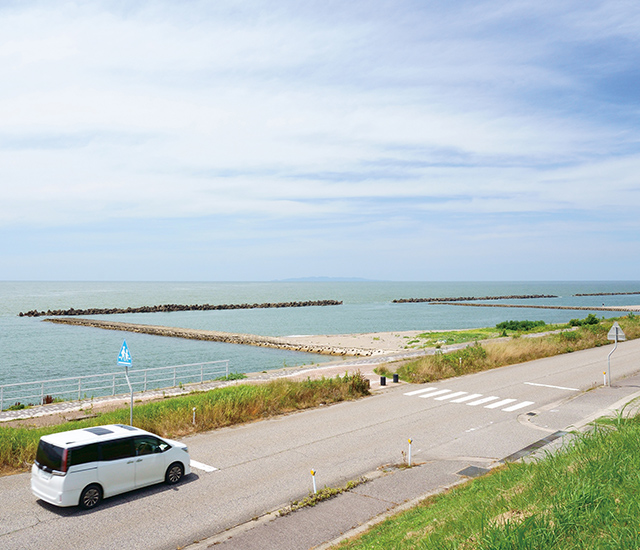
139 460
130 461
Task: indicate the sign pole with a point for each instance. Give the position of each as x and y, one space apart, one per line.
126 373
614 334
124 358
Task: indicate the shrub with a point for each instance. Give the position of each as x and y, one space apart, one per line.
590 319
520 325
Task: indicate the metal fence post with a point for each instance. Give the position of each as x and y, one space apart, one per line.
79 387
2 399
201 373
113 387
174 377
42 393
145 380
227 366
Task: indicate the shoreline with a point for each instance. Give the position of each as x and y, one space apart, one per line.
340 345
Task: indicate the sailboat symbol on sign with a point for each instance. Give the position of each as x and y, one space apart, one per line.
124 357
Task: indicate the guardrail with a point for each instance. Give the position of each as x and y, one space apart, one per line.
99 385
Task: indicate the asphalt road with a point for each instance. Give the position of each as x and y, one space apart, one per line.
263 466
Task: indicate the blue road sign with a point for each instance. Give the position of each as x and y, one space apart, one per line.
124 357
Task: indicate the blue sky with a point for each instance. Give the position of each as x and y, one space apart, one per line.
227 140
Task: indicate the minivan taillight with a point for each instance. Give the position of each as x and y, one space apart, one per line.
63 465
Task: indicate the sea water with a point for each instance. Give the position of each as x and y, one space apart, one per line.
33 349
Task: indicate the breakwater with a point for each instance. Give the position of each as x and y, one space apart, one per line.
578 308
216 336
472 298
609 294
173 307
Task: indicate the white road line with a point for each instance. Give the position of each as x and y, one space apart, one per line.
483 401
500 403
467 398
200 466
454 394
435 393
416 392
548 386
518 406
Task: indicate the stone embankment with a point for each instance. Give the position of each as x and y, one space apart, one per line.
472 298
217 336
609 294
579 308
173 307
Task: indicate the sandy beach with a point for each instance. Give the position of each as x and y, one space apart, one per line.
376 342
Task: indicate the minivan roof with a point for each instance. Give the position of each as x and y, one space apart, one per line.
91 435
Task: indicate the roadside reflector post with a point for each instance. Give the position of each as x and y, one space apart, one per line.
604 376
383 380
313 478
409 456
194 416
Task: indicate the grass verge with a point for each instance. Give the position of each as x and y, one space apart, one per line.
173 417
586 496
323 494
517 349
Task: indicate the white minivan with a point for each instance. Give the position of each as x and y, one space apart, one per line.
81 467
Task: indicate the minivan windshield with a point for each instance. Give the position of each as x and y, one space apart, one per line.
49 456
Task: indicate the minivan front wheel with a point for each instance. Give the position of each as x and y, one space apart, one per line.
90 497
174 473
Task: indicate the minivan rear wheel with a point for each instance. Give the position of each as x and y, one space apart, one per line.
90 496
174 473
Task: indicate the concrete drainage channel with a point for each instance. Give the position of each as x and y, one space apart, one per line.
387 491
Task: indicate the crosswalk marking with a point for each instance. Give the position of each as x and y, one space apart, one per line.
440 392
518 406
482 401
454 394
471 399
499 404
416 392
467 398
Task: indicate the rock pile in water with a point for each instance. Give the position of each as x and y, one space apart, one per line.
173 307
472 298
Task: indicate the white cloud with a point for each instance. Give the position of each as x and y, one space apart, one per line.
277 117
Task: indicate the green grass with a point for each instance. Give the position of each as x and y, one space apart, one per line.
447 338
173 417
517 349
584 497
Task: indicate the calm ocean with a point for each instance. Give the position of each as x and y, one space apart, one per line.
31 349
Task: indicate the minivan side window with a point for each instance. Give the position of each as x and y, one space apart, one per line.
84 454
147 444
119 448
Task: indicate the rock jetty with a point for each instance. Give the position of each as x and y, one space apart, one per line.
472 298
217 336
609 294
173 307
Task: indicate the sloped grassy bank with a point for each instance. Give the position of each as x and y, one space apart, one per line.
173 417
586 496
518 348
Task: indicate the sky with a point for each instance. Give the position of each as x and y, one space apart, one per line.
246 140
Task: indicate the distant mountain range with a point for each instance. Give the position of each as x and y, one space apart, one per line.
322 280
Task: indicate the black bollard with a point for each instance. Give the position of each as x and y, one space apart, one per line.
383 380
395 378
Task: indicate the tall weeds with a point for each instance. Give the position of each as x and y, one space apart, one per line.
214 409
516 350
